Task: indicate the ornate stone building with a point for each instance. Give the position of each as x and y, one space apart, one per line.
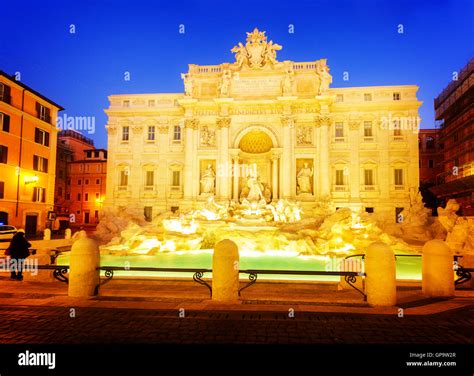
260 128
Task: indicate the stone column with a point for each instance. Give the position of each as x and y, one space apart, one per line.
324 180
225 272
235 172
437 269
286 180
190 125
381 283
223 124
275 158
83 274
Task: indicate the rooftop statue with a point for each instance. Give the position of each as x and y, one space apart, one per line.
257 52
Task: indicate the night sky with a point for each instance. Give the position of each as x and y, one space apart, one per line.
80 70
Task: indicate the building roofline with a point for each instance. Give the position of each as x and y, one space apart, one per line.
28 88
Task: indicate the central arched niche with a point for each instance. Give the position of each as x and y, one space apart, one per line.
256 142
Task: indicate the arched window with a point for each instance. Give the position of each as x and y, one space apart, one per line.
430 142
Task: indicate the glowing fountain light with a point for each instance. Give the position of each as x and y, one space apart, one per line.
180 225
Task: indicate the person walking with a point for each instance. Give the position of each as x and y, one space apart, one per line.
18 250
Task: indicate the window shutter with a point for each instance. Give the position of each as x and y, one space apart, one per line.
38 106
37 135
35 162
43 195
34 193
45 165
46 138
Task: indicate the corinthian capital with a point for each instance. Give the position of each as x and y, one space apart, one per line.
288 121
223 122
321 120
191 123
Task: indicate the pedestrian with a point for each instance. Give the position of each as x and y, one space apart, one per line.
18 250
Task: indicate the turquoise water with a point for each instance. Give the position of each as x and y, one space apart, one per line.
408 268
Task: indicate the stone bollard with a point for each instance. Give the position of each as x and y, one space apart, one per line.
83 274
225 272
437 269
380 281
67 233
47 234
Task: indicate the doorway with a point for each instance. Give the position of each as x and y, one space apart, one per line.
31 224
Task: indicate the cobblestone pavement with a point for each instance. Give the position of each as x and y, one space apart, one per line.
54 325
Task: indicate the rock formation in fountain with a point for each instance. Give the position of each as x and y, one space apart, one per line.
254 226
460 230
414 219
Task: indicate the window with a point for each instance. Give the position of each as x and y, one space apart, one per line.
40 164
96 153
177 133
39 194
68 196
367 97
339 177
79 182
339 128
369 210
78 197
176 179
398 176
151 103
151 133
123 178
3 154
4 93
2 189
86 182
368 177
126 103
147 211
149 178
397 131
339 98
97 181
96 214
60 191
41 137
125 133
367 129
88 153
396 96
68 182
86 196
430 163
97 196
43 113
430 142
4 122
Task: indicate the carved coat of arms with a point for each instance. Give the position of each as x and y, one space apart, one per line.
257 52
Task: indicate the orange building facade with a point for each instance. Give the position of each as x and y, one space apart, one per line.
27 155
430 158
86 183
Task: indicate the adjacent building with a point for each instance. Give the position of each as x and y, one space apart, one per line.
71 146
430 157
86 186
455 115
27 155
261 128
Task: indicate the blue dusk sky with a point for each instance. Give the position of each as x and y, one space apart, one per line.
80 70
